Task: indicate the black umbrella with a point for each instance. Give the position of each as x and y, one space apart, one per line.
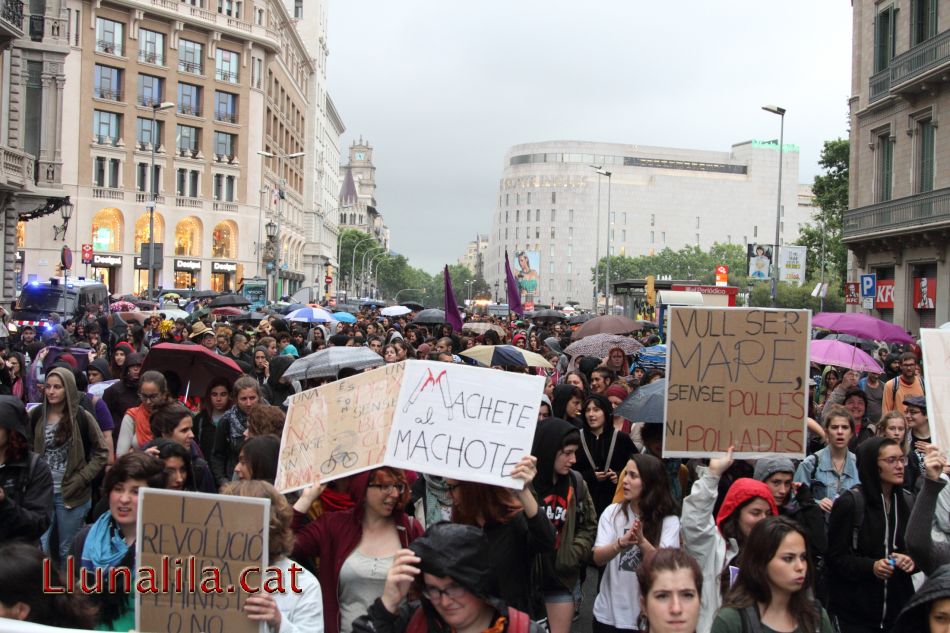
548 316
432 315
373 304
583 317
413 305
645 404
230 300
248 316
203 294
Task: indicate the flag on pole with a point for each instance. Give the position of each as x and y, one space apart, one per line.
514 292
452 316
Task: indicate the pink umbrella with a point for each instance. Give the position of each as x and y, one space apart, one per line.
830 352
862 326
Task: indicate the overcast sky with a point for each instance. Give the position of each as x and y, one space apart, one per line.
442 89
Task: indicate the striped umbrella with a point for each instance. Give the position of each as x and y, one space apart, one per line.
651 358
310 315
505 356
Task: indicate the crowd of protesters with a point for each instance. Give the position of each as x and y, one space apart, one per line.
839 541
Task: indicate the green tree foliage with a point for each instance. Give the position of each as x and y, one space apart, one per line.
792 296
831 197
688 263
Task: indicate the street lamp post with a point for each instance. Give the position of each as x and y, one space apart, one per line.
470 283
778 211
369 277
362 278
600 170
374 273
604 172
164 105
273 231
497 299
353 263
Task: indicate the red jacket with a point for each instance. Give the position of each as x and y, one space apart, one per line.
333 536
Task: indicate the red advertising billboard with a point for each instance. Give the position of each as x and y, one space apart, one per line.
852 293
885 294
925 293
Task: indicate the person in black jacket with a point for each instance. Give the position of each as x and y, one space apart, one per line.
276 389
517 532
123 395
869 569
929 609
26 484
604 451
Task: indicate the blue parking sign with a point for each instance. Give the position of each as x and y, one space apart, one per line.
869 285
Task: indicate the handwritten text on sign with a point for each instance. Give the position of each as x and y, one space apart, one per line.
200 545
736 377
464 422
338 429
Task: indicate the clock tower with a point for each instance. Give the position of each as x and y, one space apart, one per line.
364 173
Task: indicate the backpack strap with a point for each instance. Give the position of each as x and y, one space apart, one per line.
518 621
858 519
24 482
417 622
83 423
751 621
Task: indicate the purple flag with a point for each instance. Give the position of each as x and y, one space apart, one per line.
514 292
452 316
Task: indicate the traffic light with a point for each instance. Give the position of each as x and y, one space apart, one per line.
650 290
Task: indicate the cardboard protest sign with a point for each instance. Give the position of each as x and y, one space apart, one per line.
935 345
736 377
464 422
205 550
338 429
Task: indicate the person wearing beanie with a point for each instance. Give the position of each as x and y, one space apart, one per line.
449 567
26 484
918 426
716 544
616 394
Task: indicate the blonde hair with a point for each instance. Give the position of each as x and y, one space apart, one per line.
281 537
882 428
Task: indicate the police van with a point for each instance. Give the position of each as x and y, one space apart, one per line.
69 298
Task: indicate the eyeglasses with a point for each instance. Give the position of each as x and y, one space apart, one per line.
452 592
893 461
387 489
149 397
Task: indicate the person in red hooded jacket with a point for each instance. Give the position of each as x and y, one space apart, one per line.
356 546
716 545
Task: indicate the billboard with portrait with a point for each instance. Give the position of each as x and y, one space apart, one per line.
527 265
925 293
760 261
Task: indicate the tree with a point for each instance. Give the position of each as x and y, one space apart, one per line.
831 197
690 262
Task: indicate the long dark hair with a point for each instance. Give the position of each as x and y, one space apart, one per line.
656 501
752 584
219 381
664 559
21 580
166 417
168 449
260 455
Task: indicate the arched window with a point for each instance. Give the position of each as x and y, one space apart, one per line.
224 240
188 237
108 225
141 230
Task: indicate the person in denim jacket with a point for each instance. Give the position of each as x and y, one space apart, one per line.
834 469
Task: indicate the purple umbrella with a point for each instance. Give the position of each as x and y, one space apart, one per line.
862 326
830 352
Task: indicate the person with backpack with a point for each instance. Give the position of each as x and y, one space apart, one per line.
772 590
449 568
868 565
906 384
69 439
716 544
832 470
26 485
562 496
794 501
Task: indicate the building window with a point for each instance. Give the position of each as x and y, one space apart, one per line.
190 58
663 235
755 230
537 232
651 237
186 138
141 177
570 215
189 99
925 156
224 188
517 232
99 172
517 215
923 21
885 167
225 106
507 201
624 217
553 197
506 216
225 144
105 126
551 267
553 236
257 70
151 47
697 221
537 215
107 83
529 198
298 9
145 133
226 65
652 219
109 37
570 232
884 35
150 90
230 8
623 235
553 214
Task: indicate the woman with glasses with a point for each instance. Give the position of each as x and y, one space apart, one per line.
449 567
356 547
136 430
869 570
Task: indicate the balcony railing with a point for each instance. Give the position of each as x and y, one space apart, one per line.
108 46
148 102
104 139
12 13
910 65
188 152
227 117
107 93
880 85
225 75
189 110
189 203
144 196
194 68
17 166
152 57
108 193
905 213
226 207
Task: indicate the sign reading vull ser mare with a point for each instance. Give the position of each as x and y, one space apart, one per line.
736 377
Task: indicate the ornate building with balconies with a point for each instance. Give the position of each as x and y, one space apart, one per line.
183 116
898 223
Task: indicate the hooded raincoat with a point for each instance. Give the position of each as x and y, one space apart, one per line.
27 505
275 391
609 450
857 596
914 618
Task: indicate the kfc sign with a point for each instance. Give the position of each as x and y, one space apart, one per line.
885 294
852 293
